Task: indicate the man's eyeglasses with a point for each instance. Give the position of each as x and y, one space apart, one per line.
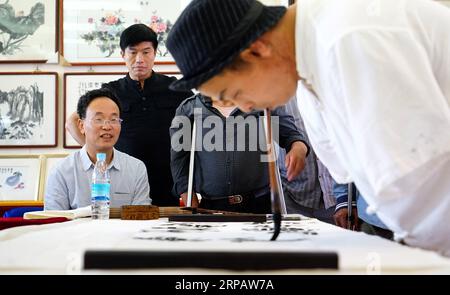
102 122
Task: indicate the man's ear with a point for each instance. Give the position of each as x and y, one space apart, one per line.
81 126
122 53
258 49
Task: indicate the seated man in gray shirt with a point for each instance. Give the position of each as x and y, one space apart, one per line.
69 182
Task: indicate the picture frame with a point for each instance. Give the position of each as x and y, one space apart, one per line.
28 109
77 84
19 177
91 28
48 161
29 31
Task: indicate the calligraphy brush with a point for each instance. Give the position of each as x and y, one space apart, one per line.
349 206
274 188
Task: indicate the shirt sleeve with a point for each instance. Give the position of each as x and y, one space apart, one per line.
340 192
394 120
142 193
56 192
311 109
288 131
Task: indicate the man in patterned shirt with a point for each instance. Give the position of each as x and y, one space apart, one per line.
310 193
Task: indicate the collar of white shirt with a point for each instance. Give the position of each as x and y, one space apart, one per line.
87 163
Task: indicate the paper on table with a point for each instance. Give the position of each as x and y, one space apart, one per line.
70 214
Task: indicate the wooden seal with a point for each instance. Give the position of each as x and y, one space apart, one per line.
139 212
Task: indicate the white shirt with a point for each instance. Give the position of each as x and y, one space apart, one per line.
69 182
377 106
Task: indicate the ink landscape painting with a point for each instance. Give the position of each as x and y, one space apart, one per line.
27 110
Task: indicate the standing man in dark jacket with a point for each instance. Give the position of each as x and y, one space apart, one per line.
148 107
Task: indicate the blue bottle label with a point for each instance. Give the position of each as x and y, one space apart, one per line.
100 191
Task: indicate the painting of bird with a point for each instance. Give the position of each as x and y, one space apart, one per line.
14 179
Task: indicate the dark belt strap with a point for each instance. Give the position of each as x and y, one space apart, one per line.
239 198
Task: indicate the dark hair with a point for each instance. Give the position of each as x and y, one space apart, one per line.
138 33
90 96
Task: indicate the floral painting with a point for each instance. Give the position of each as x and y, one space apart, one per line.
92 35
162 28
106 35
27 110
28 31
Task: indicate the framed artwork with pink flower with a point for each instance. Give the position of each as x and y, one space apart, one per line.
91 28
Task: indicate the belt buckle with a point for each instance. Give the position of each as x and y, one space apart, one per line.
235 199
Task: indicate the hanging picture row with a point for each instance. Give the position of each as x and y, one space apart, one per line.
88 31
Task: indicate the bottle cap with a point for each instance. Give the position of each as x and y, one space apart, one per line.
101 156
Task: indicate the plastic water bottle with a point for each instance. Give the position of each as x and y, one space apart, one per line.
100 189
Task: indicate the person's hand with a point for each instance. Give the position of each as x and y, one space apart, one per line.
194 199
341 218
295 159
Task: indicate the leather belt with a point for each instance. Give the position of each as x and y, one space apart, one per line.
240 198
235 199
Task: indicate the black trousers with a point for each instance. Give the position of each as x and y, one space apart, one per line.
249 204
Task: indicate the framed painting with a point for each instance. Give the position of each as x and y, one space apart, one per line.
91 28
28 31
19 177
77 84
28 110
48 161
